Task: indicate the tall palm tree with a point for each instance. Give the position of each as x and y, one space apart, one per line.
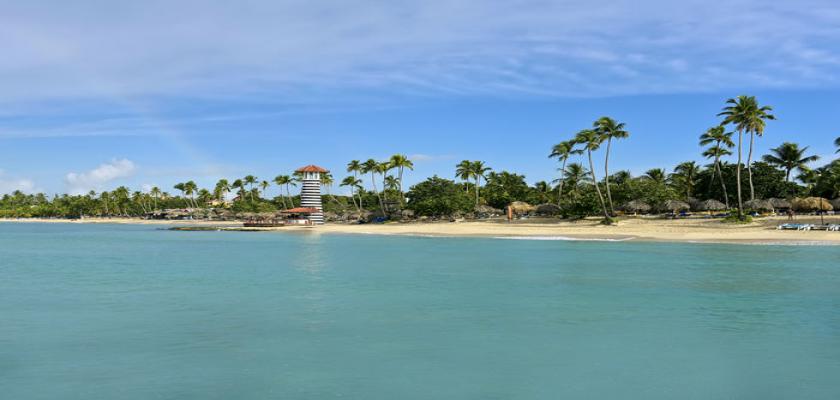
264 185
747 116
181 188
155 193
284 181
609 129
685 176
401 162
478 169
383 168
591 141
722 143
222 187
788 157
353 183
463 171
372 167
240 186
355 166
190 189
563 151
250 180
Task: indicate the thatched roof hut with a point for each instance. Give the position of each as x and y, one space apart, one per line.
521 207
675 205
812 204
759 205
779 204
548 209
636 206
836 203
710 205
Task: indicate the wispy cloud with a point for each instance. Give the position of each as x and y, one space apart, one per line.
304 51
9 184
97 178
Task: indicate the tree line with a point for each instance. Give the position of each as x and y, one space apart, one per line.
580 190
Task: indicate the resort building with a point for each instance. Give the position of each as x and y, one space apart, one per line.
310 194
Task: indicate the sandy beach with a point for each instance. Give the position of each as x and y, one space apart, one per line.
762 230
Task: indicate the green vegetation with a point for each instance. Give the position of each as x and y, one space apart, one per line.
376 187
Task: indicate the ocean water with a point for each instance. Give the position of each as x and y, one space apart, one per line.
134 312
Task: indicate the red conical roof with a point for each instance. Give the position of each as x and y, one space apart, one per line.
312 168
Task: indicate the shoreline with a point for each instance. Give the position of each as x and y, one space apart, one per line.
697 230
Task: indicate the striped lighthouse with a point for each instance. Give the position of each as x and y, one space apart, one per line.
310 194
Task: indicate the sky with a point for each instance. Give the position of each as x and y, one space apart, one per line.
97 94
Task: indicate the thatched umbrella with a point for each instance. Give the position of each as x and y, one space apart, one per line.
836 203
710 205
675 205
636 206
521 207
548 209
760 205
812 204
818 204
779 203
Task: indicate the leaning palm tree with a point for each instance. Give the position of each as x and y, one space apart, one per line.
383 168
788 157
563 151
401 162
478 169
190 189
264 185
722 143
463 171
591 141
747 116
609 129
250 180
353 183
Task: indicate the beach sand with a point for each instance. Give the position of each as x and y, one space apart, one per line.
763 230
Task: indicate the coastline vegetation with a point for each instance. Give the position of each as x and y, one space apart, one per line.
376 187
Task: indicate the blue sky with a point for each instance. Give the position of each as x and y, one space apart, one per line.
96 94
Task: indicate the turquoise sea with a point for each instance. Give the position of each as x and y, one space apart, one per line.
134 312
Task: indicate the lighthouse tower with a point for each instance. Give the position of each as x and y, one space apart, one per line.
310 194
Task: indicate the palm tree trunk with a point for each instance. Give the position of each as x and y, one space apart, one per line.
562 181
375 190
477 183
738 177
607 175
722 184
595 182
399 181
749 165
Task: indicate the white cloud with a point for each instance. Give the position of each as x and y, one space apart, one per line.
9 184
429 157
95 179
300 50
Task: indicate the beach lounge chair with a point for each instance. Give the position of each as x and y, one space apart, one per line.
788 227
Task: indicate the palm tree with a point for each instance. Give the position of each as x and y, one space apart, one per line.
563 151
478 171
463 171
685 176
383 168
222 187
372 167
181 188
327 181
609 129
591 141
190 189
789 156
574 175
284 181
264 185
353 183
722 143
355 166
240 186
747 117
657 175
155 192
401 162
250 180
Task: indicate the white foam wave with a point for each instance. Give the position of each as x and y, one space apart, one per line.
563 238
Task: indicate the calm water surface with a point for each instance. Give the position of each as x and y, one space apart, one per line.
132 312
